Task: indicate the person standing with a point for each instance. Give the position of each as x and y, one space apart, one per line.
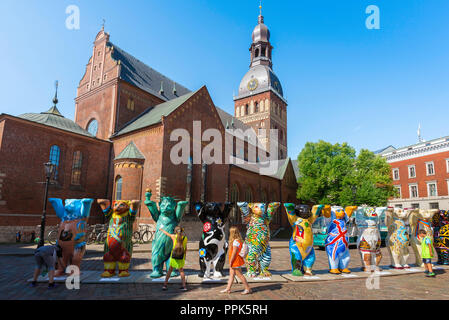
237 253
178 255
426 252
48 256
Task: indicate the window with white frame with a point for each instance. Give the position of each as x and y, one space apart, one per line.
396 174
413 188
432 189
399 192
412 171
430 168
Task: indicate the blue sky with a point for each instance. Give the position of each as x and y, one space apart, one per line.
343 82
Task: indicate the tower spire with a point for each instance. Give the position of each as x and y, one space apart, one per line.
55 99
260 15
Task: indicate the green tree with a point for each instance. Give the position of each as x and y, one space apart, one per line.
332 174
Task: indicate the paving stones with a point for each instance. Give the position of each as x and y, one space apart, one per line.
393 284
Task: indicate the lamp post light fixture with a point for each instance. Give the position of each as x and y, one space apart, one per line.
49 170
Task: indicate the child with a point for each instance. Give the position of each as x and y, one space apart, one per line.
48 256
426 252
178 255
236 260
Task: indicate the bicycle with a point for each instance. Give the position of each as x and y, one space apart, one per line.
143 235
52 236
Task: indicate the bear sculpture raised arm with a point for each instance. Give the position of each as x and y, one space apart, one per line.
118 247
72 230
213 245
258 217
167 217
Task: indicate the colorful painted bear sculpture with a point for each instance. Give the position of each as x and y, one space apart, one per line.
118 247
258 217
72 229
367 220
420 220
441 236
213 245
398 238
337 245
167 217
302 254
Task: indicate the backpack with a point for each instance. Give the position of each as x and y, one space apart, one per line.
244 250
178 251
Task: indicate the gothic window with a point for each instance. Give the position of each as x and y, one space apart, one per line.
92 127
76 168
248 195
118 188
263 196
235 213
55 153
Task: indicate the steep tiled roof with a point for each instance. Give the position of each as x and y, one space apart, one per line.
130 152
257 167
154 114
295 168
53 118
142 76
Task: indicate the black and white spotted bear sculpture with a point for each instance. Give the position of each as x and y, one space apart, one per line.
213 245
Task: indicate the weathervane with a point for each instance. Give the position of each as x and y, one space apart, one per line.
104 21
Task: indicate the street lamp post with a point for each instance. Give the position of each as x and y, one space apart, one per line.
49 168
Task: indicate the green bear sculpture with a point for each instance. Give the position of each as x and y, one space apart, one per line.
167 217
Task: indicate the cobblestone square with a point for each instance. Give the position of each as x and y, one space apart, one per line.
20 262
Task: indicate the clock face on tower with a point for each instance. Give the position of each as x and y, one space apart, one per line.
253 84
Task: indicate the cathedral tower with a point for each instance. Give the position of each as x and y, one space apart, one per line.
260 102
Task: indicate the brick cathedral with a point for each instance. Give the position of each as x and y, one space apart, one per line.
119 142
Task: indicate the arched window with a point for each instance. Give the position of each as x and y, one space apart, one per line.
263 51
256 107
248 195
246 109
263 196
76 168
92 127
257 53
55 154
235 213
118 188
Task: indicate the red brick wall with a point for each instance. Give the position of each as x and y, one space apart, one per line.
198 108
149 141
25 148
99 104
142 101
273 118
441 174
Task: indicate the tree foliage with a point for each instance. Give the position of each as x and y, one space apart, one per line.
333 174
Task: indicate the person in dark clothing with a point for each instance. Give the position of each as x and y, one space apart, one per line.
48 256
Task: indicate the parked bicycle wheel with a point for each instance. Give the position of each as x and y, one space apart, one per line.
52 237
101 238
136 237
147 236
